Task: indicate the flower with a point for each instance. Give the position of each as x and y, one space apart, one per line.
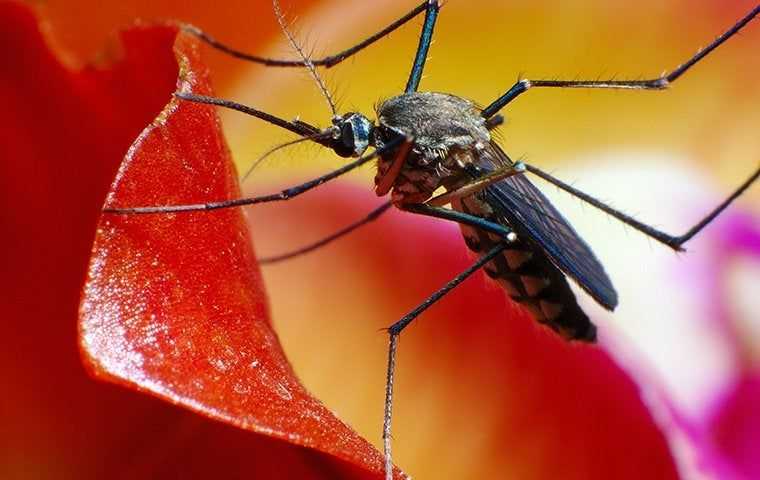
482 390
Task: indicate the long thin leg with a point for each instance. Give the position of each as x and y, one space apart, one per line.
395 330
371 216
461 217
659 83
298 127
674 242
416 208
286 194
431 15
328 61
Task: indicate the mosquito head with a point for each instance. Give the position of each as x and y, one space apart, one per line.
353 134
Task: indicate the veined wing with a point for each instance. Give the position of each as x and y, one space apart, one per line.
531 214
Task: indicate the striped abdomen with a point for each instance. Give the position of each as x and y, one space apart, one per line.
529 277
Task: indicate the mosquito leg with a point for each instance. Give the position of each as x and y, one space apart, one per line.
328 61
674 242
420 209
395 330
478 184
431 15
297 127
371 216
286 194
660 83
461 217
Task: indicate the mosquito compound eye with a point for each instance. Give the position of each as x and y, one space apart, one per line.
362 129
355 135
347 140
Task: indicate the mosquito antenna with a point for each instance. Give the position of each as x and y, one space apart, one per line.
306 61
317 136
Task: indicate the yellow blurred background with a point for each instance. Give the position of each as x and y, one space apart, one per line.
480 49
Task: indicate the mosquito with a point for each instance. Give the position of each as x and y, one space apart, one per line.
423 141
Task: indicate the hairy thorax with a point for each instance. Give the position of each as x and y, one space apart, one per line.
448 133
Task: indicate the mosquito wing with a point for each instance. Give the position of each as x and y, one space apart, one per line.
531 214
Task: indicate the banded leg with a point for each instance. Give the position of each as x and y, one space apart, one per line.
285 194
395 330
328 61
673 241
659 83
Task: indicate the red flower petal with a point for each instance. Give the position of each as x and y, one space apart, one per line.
174 304
67 131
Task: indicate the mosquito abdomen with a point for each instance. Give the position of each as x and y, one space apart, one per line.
530 279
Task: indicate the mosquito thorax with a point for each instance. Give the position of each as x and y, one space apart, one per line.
448 131
353 134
